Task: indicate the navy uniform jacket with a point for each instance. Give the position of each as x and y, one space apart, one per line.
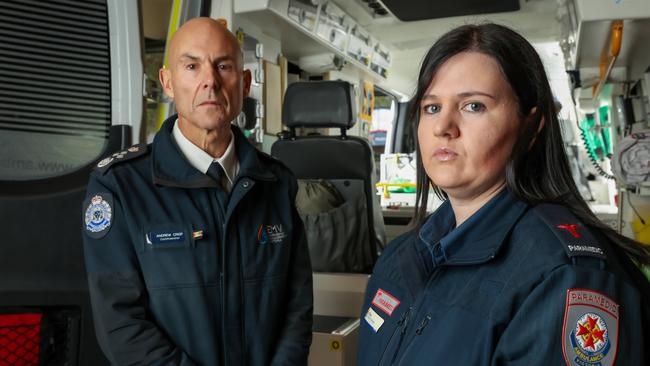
182 274
513 284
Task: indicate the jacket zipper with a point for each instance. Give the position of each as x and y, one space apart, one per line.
224 227
222 281
423 323
418 332
223 324
401 327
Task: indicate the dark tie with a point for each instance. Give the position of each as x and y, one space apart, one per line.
216 172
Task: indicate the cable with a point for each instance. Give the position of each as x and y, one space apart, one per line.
592 157
629 202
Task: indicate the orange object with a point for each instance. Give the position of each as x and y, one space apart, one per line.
607 59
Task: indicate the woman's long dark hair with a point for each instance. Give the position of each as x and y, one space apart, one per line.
537 174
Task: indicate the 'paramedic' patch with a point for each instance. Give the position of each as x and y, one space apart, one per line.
590 331
166 237
373 319
98 215
385 302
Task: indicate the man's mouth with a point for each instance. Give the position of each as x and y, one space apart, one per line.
211 103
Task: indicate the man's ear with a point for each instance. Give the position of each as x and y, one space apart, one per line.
247 82
165 77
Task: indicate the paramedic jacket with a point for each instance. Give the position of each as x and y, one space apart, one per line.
513 284
178 278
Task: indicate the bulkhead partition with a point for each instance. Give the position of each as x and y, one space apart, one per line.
58 106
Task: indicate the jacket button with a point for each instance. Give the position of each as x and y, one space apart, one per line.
246 184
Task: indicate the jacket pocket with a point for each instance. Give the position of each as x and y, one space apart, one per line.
338 238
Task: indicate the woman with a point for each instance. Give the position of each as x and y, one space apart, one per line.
513 268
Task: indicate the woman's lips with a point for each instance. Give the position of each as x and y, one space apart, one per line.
444 154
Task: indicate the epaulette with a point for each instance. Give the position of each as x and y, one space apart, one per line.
576 238
120 156
268 157
271 159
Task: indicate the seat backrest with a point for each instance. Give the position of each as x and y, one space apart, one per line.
329 104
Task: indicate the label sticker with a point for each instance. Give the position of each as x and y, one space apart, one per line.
384 301
335 345
373 319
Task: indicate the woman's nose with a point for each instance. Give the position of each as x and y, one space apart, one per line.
446 125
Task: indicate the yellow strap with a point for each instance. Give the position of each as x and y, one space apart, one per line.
174 19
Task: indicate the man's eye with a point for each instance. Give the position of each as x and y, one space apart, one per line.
431 109
224 66
474 107
190 67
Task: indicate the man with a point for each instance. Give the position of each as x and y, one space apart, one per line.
194 250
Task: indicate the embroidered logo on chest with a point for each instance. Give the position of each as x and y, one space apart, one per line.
273 234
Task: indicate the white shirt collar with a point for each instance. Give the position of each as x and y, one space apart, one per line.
201 160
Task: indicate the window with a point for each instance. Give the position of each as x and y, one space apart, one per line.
383 118
55 100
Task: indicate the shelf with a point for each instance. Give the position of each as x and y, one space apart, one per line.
296 40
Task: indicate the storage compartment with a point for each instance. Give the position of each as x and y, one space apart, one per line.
39 336
335 341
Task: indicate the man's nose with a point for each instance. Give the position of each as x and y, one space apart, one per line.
211 78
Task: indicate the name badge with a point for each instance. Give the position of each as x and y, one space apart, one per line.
374 320
165 237
385 301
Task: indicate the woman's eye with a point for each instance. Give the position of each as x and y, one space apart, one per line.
474 107
431 108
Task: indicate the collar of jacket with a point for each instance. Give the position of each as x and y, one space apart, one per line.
170 168
478 239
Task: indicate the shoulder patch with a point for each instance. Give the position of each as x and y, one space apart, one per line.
590 329
120 156
574 236
98 214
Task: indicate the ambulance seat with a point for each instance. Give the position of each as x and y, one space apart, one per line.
345 161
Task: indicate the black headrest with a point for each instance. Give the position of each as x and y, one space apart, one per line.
319 104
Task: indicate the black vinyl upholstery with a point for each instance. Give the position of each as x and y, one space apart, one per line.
319 104
327 104
325 157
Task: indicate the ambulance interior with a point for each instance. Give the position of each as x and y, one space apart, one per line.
595 52
594 55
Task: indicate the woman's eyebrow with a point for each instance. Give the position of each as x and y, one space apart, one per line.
462 95
475 92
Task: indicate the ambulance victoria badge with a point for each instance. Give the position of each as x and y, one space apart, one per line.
98 216
590 328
